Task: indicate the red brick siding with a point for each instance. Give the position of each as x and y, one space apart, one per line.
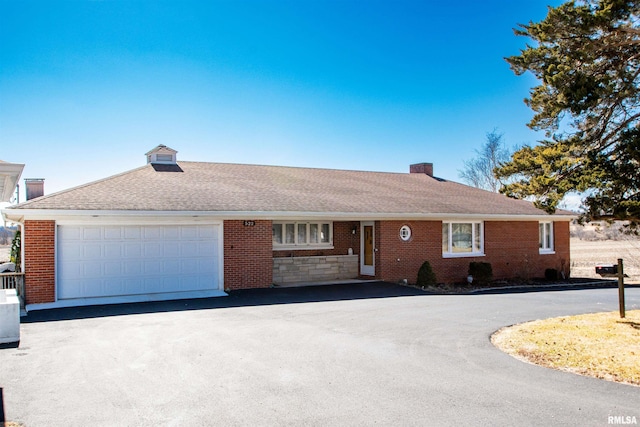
39 261
247 255
511 247
343 239
381 257
396 259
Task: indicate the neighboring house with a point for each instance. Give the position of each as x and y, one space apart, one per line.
192 229
9 177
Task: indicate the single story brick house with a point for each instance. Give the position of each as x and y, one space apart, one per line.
174 229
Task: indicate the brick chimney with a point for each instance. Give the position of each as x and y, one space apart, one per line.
34 187
425 168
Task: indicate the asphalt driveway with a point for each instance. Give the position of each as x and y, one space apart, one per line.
337 355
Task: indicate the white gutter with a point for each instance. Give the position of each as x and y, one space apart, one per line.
19 215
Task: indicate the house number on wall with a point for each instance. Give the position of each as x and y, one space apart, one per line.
249 223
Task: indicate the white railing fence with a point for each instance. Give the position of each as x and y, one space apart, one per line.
13 281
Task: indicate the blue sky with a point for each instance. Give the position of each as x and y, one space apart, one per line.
86 88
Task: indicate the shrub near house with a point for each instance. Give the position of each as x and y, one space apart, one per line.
481 272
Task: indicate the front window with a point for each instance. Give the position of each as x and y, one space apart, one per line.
325 234
462 239
302 235
290 233
276 232
545 237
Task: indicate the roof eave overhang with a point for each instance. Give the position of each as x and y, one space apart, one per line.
12 173
19 215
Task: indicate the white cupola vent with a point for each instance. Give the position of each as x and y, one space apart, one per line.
162 155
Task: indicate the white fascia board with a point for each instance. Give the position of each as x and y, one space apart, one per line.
347 216
10 218
137 220
35 214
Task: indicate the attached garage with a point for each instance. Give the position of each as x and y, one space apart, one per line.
143 262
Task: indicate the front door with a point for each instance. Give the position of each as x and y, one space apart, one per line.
367 249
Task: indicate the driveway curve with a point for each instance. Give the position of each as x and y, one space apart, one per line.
359 354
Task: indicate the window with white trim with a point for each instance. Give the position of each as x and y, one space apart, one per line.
302 235
462 239
545 237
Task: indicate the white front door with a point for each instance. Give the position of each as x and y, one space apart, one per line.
367 249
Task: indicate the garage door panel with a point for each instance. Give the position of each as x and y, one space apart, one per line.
92 269
152 285
166 249
73 250
132 250
71 270
99 261
196 281
172 267
133 285
73 290
132 267
152 250
92 287
209 233
132 232
189 232
116 286
152 233
113 269
206 267
91 251
171 251
207 248
70 233
172 233
188 250
188 265
152 268
113 233
92 233
112 251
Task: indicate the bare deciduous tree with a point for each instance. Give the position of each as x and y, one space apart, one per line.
479 171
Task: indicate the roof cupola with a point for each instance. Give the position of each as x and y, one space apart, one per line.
162 155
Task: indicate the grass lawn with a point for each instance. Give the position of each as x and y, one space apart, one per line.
600 345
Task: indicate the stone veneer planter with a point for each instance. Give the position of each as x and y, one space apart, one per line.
314 268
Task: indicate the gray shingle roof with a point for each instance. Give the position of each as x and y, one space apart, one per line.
220 187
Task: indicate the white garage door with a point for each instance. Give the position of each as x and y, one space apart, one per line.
114 260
